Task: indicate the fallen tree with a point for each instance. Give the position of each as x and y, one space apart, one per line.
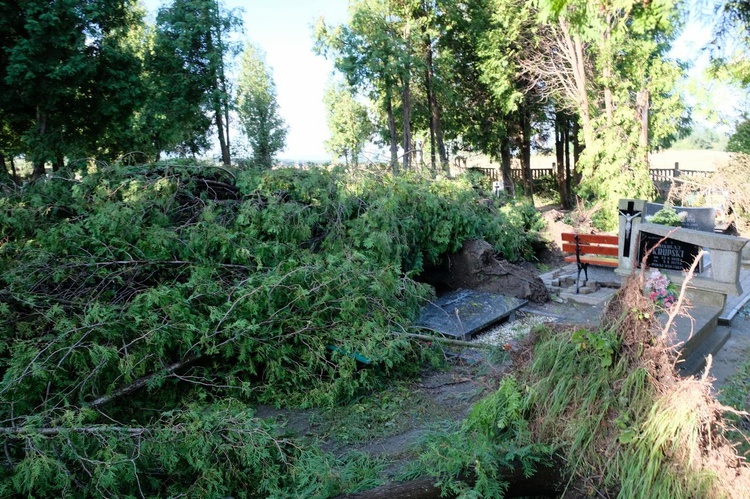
138 302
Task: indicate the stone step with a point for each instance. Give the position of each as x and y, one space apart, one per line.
695 336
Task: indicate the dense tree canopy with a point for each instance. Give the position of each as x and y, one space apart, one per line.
490 76
68 77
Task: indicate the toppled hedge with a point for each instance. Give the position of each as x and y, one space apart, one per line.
136 296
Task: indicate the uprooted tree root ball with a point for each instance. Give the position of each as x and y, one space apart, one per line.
634 318
637 428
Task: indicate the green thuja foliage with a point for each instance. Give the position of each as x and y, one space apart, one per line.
216 450
136 301
494 438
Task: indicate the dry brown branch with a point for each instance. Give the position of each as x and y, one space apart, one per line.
676 308
142 381
448 341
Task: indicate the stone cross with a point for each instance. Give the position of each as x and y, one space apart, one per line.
630 213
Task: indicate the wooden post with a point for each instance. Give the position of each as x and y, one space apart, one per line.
676 169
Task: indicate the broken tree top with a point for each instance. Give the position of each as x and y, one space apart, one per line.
464 312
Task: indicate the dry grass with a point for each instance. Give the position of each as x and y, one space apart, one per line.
635 428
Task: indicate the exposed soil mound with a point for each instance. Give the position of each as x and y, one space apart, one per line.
475 267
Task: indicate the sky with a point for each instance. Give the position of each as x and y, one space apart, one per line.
283 29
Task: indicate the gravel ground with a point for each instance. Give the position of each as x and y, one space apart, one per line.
505 332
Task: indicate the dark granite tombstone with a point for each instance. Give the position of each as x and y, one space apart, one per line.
696 218
669 255
464 312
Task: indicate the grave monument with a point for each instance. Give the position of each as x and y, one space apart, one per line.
673 250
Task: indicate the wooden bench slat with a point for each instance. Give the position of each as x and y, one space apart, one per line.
588 249
604 262
590 238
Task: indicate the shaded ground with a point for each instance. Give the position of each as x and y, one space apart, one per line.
392 423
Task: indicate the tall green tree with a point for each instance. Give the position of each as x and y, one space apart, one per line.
427 15
479 125
258 107
478 48
190 55
510 33
68 78
348 122
375 52
607 63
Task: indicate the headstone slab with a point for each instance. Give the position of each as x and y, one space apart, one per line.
464 312
701 218
671 254
725 256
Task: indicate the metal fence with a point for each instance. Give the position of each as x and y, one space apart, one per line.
657 174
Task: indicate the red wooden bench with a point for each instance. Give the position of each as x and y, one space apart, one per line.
590 249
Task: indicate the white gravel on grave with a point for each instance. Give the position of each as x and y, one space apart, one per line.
505 332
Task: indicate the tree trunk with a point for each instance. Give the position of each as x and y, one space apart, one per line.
528 181
406 78
391 129
505 166
568 169
39 170
59 162
228 160
13 169
407 124
607 71
577 150
39 156
218 79
430 100
225 158
560 158
437 140
641 109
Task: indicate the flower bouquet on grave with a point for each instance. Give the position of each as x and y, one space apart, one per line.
660 290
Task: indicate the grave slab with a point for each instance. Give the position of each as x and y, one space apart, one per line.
701 218
463 312
695 336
